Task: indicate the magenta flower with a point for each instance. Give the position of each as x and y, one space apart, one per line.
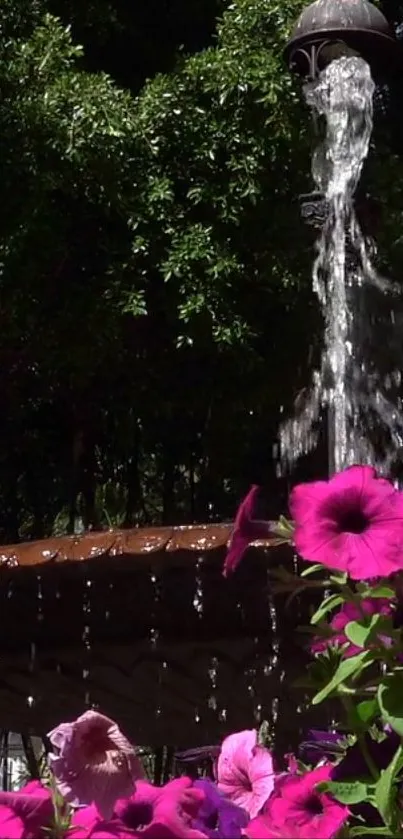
84 821
25 813
247 529
86 824
245 771
109 830
296 809
351 523
164 812
351 612
95 763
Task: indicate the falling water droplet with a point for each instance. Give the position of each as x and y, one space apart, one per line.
154 635
274 657
156 584
212 673
198 596
30 701
86 637
258 713
32 657
274 710
39 594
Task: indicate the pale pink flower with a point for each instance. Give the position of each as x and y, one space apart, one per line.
94 762
245 771
352 523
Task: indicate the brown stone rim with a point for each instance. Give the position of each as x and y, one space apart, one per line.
193 539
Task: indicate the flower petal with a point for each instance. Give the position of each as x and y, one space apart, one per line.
305 498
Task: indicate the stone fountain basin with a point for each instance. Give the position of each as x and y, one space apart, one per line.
142 625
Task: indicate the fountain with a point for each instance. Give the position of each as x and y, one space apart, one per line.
156 638
341 48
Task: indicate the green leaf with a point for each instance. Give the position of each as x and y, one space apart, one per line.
367 710
312 569
385 792
347 792
390 693
327 605
287 527
381 591
358 632
347 668
368 831
339 579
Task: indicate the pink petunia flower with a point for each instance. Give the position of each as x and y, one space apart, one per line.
296 809
95 763
84 821
162 812
87 824
247 529
351 523
351 612
25 813
245 771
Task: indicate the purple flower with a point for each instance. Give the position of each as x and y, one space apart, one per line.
321 745
218 818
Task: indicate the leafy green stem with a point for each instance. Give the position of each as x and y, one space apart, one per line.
361 740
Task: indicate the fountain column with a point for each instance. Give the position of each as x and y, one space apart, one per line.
335 46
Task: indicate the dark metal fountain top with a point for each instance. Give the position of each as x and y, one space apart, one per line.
328 29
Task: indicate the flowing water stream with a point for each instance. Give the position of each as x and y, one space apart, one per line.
358 397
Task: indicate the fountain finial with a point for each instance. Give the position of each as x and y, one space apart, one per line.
328 29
